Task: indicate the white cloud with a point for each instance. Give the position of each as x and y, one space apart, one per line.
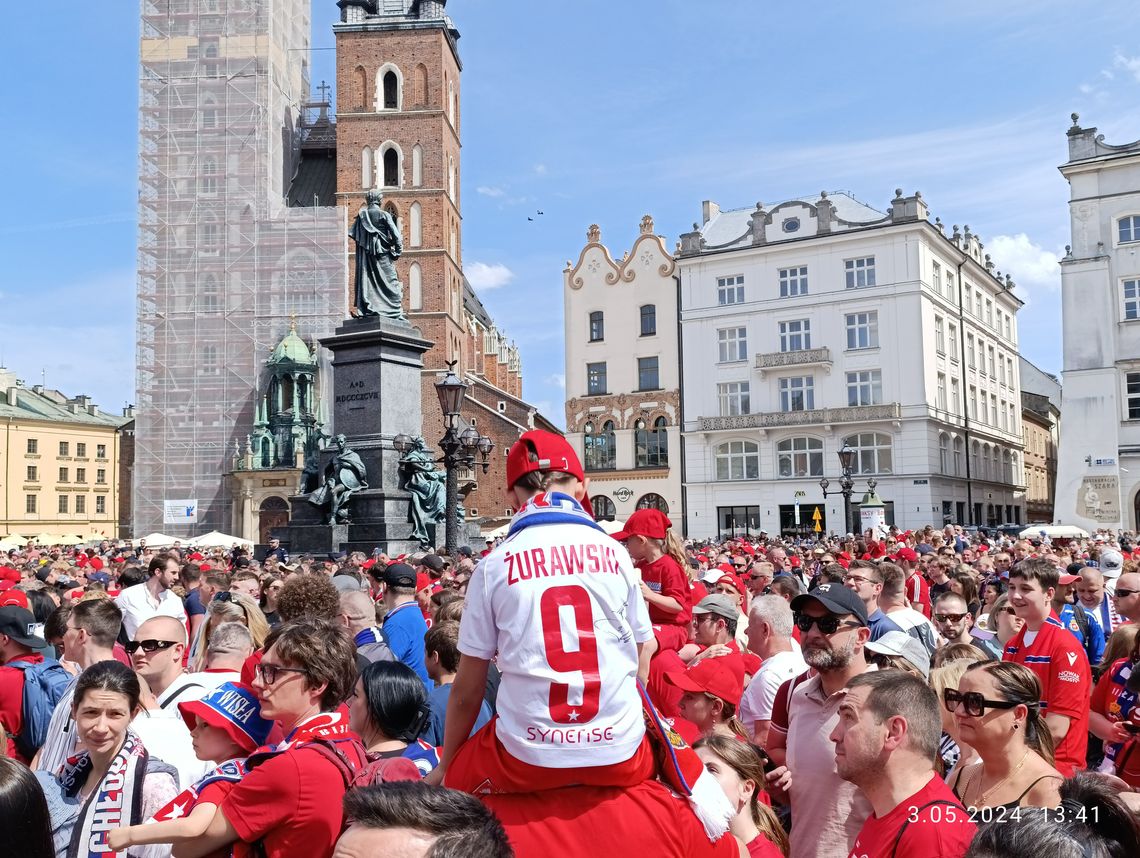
1032 267
540 169
556 380
490 191
482 276
1128 64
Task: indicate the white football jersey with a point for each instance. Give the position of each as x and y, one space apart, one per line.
560 606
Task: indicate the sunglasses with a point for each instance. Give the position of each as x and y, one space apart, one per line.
948 618
1009 611
148 645
827 625
269 673
1122 593
972 701
224 596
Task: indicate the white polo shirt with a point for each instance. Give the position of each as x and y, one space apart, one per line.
560 606
138 606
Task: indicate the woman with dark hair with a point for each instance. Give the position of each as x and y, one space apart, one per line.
963 583
270 589
1091 821
739 769
114 781
24 815
388 710
997 711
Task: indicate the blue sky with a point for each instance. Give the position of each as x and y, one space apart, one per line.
600 111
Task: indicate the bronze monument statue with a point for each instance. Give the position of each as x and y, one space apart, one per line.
426 484
378 289
344 476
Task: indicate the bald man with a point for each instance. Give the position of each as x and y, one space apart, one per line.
1096 602
1126 597
156 654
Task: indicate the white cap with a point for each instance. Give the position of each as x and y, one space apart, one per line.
1111 563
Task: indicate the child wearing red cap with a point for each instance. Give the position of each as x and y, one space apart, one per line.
659 555
226 725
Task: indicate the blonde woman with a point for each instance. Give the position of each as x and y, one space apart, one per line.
228 607
954 752
739 770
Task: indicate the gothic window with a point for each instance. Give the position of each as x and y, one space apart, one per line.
415 225
451 102
415 287
361 87
421 85
367 169
417 166
391 168
391 90
210 294
451 177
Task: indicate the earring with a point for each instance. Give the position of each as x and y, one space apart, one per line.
1015 726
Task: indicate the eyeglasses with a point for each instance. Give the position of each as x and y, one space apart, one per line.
1122 593
269 672
859 579
827 625
973 702
148 645
948 618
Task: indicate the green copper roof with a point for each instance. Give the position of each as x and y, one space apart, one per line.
291 348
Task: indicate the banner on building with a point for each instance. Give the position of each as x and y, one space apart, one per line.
180 512
1099 499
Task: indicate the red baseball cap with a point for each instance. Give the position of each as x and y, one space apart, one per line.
1064 579
14 597
726 569
551 453
907 553
423 581
721 677
645 522
732 580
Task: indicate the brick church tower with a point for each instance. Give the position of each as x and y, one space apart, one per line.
398 130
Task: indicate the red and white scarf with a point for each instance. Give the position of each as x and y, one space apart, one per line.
323 725
114 803
231 771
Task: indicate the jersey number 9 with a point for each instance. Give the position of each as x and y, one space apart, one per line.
583 660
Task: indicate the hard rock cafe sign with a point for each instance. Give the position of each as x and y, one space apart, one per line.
623 494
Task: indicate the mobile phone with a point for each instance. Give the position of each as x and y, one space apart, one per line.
1130 727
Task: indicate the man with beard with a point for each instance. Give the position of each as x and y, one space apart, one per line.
833 623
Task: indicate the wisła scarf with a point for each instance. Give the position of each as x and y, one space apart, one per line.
114 803
551 508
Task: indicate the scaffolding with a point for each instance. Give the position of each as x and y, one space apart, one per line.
223 261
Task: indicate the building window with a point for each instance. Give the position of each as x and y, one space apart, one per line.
63 475
391 168
33 474
601 451
863 330
993 410
943 453
81 450
936 279
872 452
989 312
596 378
100 505
953 333
1007 324
391 91
33 446
1131 299
209 361
653 501
860 272
651 445
80 475
793 282
1129 228
797 393
971 357
959 454
603 507
597 326
733 344
949 285
978 303
64 448
29 504
209 183
730 290
795 336
63 504
939 336
940 394
81 504
799 457
738 460
101 475
991 362
648 320
865 387
733 396
953 396
972 413
648 377
1001 369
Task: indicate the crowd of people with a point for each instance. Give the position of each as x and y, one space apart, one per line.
941 692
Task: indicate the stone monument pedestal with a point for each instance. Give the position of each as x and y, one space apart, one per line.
376 390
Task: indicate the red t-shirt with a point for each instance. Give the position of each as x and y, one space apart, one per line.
761 847
12 703
942 830
1061 665
292 803
646 819
917 590
664 577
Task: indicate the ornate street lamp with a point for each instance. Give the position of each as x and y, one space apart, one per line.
846 484
459 449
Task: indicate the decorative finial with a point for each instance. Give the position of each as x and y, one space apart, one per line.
918 195
1076 117
938 224
823 195
898 193
759 206
1068 250
647 225
292 323
1008 282
594 234
696 227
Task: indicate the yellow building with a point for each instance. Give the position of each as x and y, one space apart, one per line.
60 463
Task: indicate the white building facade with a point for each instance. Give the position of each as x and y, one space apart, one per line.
823 322
622 374
1098 468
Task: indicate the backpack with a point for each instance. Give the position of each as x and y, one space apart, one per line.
44 685
367 770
